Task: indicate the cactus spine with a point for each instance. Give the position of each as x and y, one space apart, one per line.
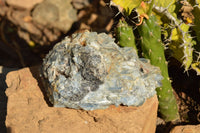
180 41
153 49
196 27
182 45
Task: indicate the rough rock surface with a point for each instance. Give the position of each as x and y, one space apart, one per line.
186 129
26 4
3 98
89 71
55 13
28 112
79 4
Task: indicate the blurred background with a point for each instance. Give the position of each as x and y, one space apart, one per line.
29 29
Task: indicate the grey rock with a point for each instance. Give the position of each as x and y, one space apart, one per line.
25 4
55 14
89 71
79 4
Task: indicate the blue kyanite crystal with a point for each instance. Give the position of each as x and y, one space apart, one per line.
89 71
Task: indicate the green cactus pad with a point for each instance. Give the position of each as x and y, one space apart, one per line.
127 5
125 35
153 49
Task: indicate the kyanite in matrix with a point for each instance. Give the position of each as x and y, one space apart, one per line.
89 71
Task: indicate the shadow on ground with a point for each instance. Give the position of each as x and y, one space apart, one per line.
3 97
35 70
3 103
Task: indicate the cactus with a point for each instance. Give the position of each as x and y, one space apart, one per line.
195 12
125 35
180 41
196 27
196 67
153 49
127 5
182 45
177 19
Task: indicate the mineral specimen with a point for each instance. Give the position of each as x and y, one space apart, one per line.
89 71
